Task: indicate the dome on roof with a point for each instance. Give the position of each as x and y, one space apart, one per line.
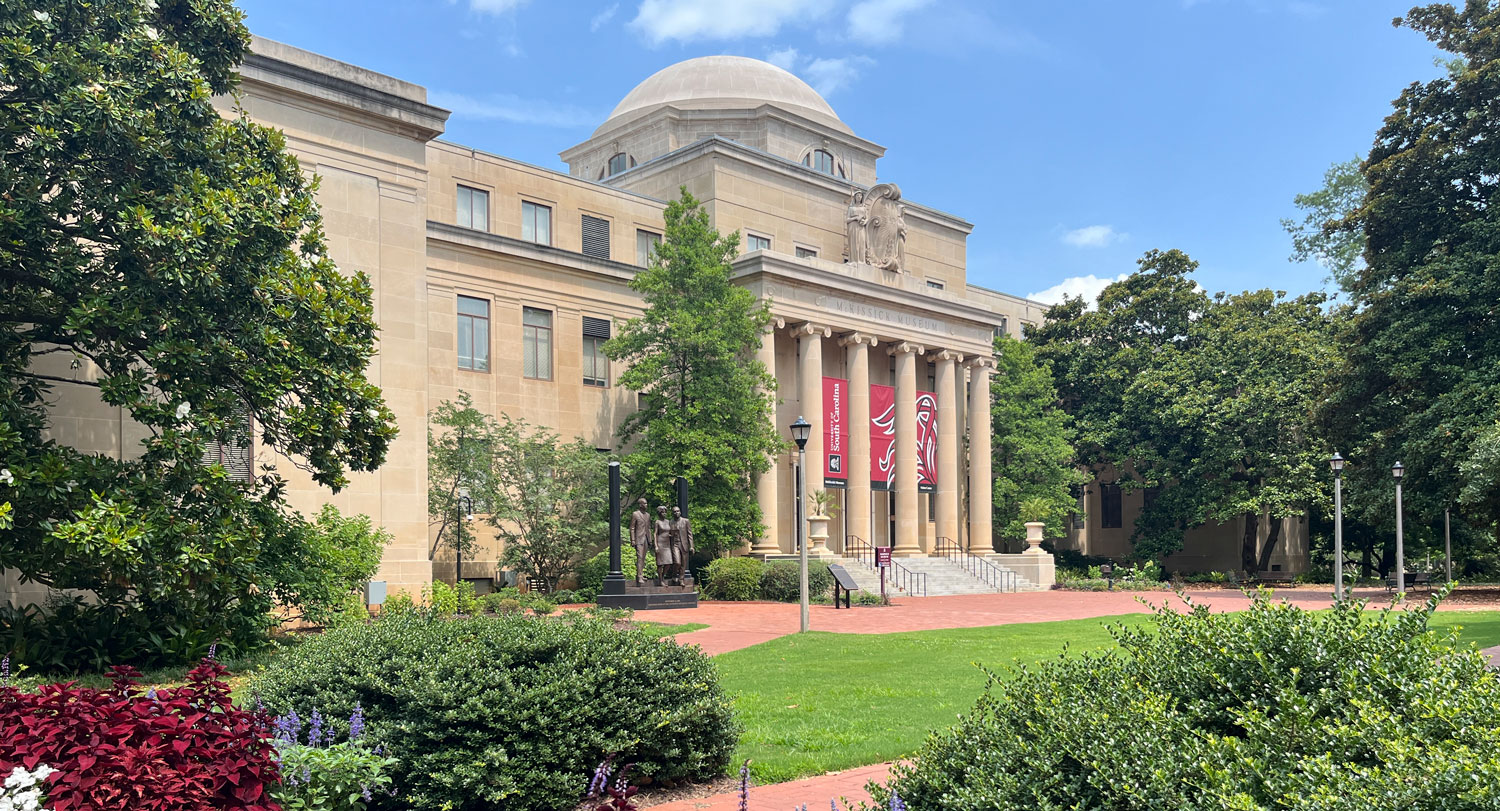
723 83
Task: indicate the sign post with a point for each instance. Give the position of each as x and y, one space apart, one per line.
883 562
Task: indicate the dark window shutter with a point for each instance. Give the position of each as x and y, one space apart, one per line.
595 237
235 452
595 328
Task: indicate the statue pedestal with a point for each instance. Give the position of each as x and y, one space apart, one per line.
626 594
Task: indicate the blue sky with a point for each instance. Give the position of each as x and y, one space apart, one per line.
1074 134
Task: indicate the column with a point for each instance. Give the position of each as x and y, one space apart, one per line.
810 383
905 544
768 482
981 478
857 504
948 392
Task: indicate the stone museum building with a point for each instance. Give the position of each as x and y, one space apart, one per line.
503 279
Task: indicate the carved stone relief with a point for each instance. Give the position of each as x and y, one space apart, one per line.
875 228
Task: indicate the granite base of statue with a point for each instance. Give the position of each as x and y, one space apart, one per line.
668 538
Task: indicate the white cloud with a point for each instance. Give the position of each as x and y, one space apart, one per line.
879 21
1089 287
1092 236
786 58
495 6
516 110
602 18
688 20
828 76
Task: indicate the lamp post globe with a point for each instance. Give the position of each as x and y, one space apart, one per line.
801 429
1398 471
1337 463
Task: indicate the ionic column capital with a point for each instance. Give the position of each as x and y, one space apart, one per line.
981 363
777 322
949 354
809 328
907 348
856 338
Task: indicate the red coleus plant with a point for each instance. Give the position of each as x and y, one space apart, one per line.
186 748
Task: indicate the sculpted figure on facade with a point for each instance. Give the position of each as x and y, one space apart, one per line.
875 228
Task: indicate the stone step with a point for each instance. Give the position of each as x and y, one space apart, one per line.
943 577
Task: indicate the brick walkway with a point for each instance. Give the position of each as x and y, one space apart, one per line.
739 625
848 787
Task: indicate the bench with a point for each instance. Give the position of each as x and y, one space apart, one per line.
1275 577
1413 580
843 585
536 585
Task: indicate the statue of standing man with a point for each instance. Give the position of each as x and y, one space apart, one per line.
682 535
640 538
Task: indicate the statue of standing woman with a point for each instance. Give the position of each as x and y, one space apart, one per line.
666 547
855 221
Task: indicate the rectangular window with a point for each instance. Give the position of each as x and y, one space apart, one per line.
595 362
755 243
646 243
934 284
595 237
473 208
1148 497
536 343
805 253
536 223
473 334
234 452
1110 514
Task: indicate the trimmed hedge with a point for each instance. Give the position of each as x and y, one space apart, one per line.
780 580
736 578
592 571
1272 708
510 711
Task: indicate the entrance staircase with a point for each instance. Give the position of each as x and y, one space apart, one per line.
948 570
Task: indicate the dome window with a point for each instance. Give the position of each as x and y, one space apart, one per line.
822 160
618 163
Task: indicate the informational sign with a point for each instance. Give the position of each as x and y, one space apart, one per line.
882 436
882 557
927 442
835 432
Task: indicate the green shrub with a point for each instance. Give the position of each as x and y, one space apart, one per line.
511 711
446 600
543 607
564 597
1271 708
866 598
736 578
333 778
780 581
592 571
508 605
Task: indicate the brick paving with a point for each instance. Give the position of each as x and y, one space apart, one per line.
739 625
848 787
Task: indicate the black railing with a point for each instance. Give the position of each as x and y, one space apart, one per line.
995 577
897 576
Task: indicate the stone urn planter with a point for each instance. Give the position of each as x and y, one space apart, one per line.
817 535
1034 538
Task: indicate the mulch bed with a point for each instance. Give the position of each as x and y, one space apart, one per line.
650 795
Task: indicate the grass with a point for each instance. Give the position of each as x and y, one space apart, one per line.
824 702
661 630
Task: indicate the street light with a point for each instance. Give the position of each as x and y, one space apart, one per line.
1337 463
1397 471
800 431
465 509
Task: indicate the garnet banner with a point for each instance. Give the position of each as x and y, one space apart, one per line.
882 436
835 432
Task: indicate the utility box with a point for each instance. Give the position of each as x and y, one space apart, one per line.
375 592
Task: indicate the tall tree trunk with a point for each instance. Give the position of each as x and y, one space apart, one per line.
1272 537
1366 565
1247 547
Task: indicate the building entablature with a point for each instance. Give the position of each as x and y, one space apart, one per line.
483 243
847 299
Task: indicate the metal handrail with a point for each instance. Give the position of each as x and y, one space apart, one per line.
992 575
902 578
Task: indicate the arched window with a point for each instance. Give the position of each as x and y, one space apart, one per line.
618 163
822 160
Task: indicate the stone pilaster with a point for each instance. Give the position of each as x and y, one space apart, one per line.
857 503
767 485
981 477
810 385
948 392
905 543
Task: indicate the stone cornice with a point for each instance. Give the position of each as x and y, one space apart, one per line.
674 113
510 246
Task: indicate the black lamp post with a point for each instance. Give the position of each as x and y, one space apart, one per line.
1337 463
465 508
1397 471
800 431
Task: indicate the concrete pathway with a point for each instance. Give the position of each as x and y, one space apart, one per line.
847 787
739 625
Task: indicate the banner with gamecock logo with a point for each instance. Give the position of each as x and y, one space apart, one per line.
927 442
835 432
882 436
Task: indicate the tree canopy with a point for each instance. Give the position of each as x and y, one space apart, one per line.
174 258
707 404
1032 441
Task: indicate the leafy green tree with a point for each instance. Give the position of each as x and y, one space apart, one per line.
1420 381
337 556
1033 443
178 256
460 464
550 501
707 409
1320 236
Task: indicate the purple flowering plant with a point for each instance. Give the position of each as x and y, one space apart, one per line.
321 773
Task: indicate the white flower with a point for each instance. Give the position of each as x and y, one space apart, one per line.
5 477
183 409
41 16
22 790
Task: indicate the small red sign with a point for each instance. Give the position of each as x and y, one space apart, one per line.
882 557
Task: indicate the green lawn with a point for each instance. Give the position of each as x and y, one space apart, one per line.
823 702
670 630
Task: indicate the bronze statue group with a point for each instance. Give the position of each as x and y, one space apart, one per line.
673 543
